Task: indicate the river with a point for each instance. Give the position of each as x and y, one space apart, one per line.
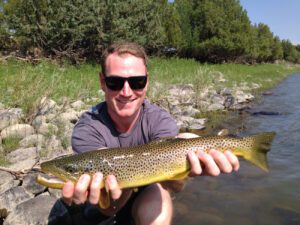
252 196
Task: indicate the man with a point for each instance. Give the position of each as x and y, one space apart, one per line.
127 119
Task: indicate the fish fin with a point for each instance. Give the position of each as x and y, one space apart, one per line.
261 145
180 176
223 132
104 200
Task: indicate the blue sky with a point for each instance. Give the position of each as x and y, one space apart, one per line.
282 16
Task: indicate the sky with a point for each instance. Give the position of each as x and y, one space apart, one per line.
282 16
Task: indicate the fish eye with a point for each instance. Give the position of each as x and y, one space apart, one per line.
71 168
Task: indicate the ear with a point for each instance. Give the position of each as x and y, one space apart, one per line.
102 81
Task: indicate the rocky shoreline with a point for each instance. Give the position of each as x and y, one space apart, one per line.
48 133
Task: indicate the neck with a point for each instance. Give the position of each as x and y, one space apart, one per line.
125 125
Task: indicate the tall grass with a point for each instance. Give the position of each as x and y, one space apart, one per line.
23 84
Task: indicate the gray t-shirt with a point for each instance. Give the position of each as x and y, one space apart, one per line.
95 129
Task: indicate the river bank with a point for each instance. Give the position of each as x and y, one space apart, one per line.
40 130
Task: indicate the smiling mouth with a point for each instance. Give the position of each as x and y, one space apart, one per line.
125 101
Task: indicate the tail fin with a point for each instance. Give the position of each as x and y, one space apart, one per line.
261 145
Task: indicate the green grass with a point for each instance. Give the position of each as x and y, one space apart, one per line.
23 84
9 144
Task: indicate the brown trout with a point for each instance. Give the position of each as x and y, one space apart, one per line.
153 162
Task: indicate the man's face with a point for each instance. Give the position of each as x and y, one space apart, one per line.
125 103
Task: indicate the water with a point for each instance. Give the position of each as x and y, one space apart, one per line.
252 196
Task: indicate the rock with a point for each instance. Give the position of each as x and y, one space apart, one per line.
7 181
229 101
8 185
47 128
10 117
23 158
215 107
17 130
38 208
32 141
54 192
47 106
30 184
66 117
242 97
22 154
189 111
38 121
78 105
14 196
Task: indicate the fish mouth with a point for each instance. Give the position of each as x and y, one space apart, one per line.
50 181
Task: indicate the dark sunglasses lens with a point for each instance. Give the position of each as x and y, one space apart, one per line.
136 83
114 83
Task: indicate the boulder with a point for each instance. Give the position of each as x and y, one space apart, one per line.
14 196
31 212
17 130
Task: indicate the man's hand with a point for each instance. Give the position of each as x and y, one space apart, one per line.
212 163
88 189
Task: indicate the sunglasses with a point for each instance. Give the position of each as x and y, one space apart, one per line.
116 83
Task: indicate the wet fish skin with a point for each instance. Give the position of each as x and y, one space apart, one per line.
156 161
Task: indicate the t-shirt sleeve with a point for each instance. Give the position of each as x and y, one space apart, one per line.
86 136
162 125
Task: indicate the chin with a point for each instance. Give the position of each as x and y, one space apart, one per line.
126 113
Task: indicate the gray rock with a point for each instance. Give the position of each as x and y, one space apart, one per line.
38 121
8 185
5 176
35 211
7 181
12 116
17 130
32 141
22 154
55 192
30 184
14 196
47 128
196 127
23 165
78 105
66 117
47 106
215 107
23 158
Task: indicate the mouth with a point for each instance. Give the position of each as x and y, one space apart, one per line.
50 181
125 101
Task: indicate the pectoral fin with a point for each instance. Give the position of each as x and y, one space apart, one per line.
104 201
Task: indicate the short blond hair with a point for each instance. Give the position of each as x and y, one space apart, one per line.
123 48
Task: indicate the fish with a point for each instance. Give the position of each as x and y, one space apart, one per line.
156 161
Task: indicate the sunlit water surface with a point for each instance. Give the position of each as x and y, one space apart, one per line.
252 196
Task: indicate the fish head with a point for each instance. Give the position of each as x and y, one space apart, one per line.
63 169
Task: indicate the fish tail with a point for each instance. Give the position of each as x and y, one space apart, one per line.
258 153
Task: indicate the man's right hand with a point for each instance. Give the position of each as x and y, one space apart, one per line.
88 189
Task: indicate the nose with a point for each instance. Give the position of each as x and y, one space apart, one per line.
126 90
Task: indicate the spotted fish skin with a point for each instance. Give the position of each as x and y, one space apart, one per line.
156 161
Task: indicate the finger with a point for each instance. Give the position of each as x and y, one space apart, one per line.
208 164
81 189
68 192
113 186
233 159
95 188
196 169
222 161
